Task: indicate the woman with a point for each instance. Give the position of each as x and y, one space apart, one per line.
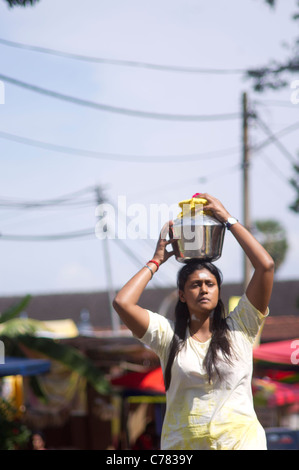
205 355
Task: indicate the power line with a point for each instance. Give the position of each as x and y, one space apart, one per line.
279 103
66 200
140 264
221 172
275 168
274 139
115 156
119 110
126 63
274 136
5 204
42 238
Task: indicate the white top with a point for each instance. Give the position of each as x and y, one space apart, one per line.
219 415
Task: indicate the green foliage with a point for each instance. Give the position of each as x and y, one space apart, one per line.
274 76
23 3
19 332
272 236
21 326
70 357
295 183
15 310
272 3
14 435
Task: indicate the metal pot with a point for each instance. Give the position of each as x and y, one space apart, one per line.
197 233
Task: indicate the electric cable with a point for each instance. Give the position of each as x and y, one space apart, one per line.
275 168
5 204
42 238
281 133
140 263
220 173
115 156
120 110
65 200
276 141
131 255
121 62
278 103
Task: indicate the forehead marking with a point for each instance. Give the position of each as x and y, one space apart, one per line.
202 274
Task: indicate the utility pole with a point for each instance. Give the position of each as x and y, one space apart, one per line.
245 167
115 322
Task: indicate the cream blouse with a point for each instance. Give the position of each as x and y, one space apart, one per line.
202 415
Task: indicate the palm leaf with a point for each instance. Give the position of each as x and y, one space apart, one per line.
21 326
16 332
70 357
15 310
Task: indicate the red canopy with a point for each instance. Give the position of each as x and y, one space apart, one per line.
151 381
280 352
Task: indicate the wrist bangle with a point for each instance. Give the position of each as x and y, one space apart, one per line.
146 266
155 262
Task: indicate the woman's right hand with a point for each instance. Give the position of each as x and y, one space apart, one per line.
126 302
161 254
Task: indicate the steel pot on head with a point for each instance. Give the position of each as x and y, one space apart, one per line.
197 233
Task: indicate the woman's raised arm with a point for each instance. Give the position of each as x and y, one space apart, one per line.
126 301
260 286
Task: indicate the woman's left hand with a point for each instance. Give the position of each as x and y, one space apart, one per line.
216 207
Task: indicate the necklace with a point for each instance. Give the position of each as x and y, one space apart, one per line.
198 339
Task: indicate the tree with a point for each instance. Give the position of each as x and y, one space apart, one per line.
24 3
272 75
295 183
272 235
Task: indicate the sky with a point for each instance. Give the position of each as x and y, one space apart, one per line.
155 155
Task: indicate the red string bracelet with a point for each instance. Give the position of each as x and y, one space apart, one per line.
155 262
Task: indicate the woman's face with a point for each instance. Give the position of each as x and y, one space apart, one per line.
201 292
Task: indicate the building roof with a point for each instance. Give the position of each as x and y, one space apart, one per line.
280 328
284 303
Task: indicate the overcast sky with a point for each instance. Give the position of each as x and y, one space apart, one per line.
143 158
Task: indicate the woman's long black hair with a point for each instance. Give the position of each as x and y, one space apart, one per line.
219 328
